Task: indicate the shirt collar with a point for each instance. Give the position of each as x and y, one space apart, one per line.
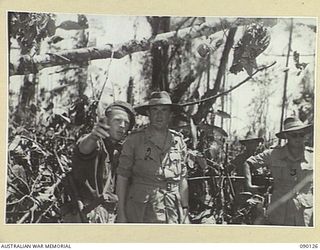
150 136
287 155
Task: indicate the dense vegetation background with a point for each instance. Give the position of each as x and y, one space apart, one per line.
64 69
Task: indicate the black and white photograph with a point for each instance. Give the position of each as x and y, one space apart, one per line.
118 119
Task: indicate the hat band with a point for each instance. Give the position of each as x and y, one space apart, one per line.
159 102
293 126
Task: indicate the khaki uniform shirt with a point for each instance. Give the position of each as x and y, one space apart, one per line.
293 184
155 173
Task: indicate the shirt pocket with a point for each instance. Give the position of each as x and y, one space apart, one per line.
283 175
146 160
278 169
173 167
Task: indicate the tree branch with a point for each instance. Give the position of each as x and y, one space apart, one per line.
204 108
231 89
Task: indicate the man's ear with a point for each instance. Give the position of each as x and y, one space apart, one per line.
171 113
105 119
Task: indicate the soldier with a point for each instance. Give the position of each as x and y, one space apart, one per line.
251 143
152 185
291 166
94 164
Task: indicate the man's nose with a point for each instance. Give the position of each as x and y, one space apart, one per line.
122 124
159 114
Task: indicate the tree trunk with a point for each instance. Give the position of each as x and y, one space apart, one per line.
205 107
182 87
130 98
27 92
160 55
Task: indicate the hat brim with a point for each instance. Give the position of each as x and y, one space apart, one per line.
258 139
212 130
142 109
306 128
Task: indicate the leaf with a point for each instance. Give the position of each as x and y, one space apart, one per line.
192 158
43 197
211 129
254 41
64 160
203 50
15 143
70 25
83 21
193 130
223 114
55 39
39 150
19 171
51 27
33 109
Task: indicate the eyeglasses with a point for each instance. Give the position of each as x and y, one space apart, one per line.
295 135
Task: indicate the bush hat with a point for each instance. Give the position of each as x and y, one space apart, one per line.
291 124
156 99
124 106
251 137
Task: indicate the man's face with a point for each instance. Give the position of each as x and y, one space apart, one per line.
251 146
119 122
160 116
296 139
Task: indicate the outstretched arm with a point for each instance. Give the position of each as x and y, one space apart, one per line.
248 180
184 193
89 143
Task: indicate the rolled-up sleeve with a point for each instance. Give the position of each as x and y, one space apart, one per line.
82 156
126 160
260 160
83 164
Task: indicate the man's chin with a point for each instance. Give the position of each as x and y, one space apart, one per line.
159 126
117 137
120 137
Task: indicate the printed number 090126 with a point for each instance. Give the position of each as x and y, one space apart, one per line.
308 246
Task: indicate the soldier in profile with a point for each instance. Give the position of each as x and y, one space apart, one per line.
251 143
291 166
94 162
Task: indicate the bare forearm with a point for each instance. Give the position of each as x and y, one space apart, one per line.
99 131
184 193
248 179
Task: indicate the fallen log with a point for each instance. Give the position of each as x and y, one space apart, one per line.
33 64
